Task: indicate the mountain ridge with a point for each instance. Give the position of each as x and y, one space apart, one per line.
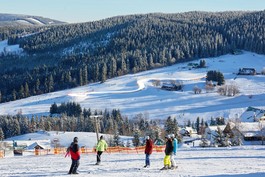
25 20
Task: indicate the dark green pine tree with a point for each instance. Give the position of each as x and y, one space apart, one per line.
103 73
80 77
27 92
50 83
85 75
220 78
54 109
198 125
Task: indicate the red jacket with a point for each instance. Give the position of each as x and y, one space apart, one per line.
74 152
148 147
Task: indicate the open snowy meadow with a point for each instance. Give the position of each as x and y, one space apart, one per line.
246 161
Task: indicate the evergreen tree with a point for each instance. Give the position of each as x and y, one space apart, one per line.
116 139
14 95
80 76
27 93
21 92
54 109
171 126
136 137
84 75
198 125
104 73
220 138
15 128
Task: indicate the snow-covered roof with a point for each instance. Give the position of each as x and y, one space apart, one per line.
214 128
250 129
44 144
251 114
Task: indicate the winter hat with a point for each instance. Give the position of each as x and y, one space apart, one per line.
147 137
75 139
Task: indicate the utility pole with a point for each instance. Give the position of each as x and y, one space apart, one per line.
96 123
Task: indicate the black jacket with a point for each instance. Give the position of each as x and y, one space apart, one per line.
169 147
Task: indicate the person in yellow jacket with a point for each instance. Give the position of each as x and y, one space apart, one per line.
101 147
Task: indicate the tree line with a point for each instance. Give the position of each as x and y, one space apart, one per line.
71 117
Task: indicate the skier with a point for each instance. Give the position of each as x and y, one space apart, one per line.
101 147
75 156
175 147
168 152
148 151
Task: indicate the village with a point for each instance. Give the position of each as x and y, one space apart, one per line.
246 129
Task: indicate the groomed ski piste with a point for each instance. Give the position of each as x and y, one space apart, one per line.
241 161
133 94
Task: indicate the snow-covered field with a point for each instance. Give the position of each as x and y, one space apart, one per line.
135 93
246 161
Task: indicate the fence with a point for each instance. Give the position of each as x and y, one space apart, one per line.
84 150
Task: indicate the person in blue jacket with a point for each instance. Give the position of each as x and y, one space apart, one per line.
175 148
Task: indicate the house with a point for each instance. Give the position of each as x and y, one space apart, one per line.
247 71
39 145
250 132
171 87
187 131
252 115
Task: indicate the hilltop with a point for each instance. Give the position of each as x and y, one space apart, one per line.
25 20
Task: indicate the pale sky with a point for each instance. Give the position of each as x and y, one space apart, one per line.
89 10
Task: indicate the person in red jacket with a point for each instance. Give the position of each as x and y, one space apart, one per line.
75 156
148 151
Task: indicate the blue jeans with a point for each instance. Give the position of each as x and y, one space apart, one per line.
147 159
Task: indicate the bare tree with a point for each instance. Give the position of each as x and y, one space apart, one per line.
197 90
209 87
156 83
228 90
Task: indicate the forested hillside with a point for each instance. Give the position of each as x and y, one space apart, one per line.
64 56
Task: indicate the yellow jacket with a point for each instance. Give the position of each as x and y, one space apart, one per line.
102 145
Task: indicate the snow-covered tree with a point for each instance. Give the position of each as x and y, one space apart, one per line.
2 136
220 139
136 137
116 139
